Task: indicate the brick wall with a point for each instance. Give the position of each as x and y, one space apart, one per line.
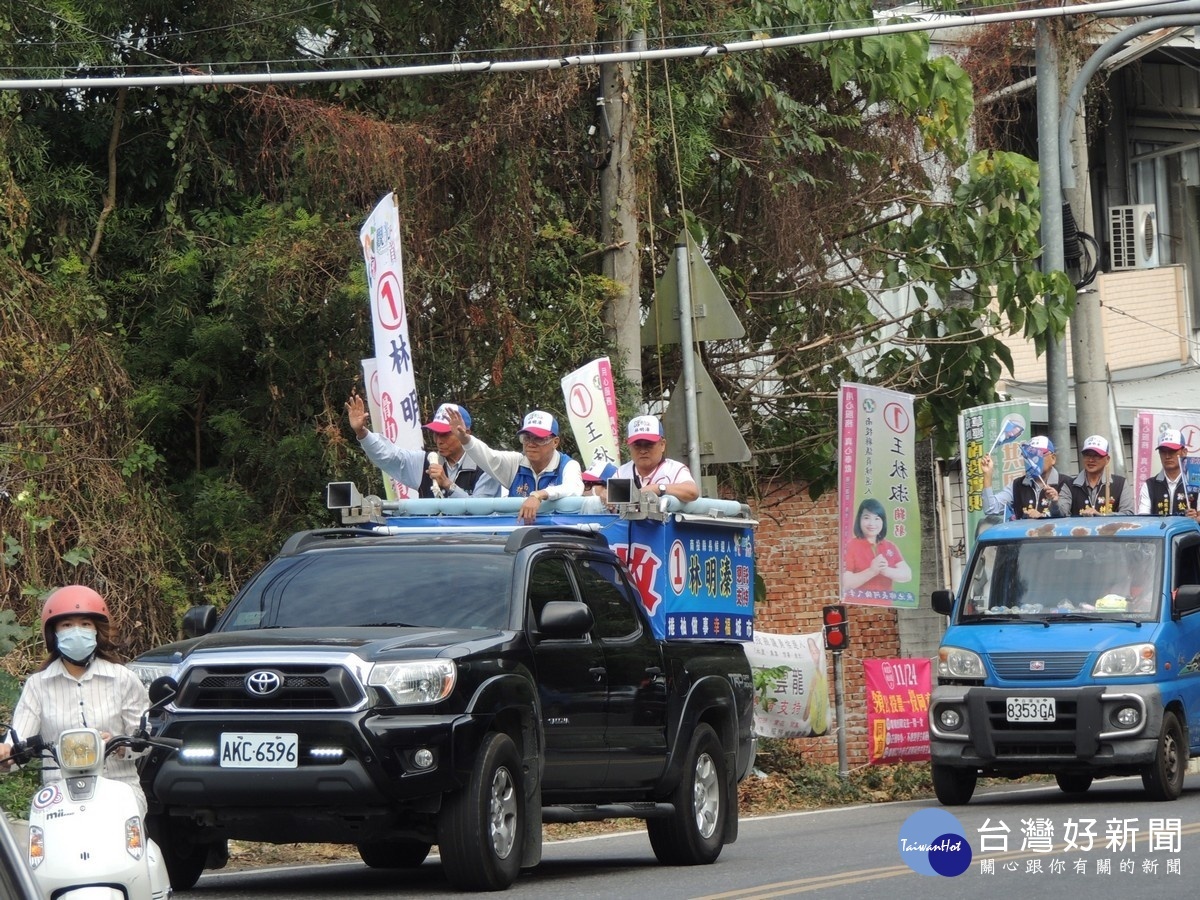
797 556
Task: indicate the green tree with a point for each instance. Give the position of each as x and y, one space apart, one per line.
182 271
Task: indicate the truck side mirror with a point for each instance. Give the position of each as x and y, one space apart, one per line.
565 619
942 601
1187 599
199 621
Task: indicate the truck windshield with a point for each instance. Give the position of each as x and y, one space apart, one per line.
1077 580
454 587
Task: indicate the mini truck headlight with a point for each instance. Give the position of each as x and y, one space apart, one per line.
955 662
1132 659
418 681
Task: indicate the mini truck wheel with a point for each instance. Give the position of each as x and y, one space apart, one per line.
695 833
953 786
1163 778
481 828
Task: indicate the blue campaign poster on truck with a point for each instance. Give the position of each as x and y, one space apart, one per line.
695 577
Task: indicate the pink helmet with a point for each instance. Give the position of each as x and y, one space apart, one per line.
73 600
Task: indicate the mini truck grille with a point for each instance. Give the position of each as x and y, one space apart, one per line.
1038 666
300 686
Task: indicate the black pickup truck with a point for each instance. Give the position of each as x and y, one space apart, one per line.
396 691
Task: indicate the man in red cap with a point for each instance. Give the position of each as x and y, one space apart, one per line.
1095 491
1166 494
448 468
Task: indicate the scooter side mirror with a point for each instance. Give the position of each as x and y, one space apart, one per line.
162 689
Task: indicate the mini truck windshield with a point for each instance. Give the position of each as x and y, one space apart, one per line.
1076 580
445 587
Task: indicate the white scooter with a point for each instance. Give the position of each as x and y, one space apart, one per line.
87 837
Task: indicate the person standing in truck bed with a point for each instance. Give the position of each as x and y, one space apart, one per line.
1166 494
651 470
1041 494
538 474
453 473
1095 491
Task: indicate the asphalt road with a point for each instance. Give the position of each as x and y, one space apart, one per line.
1025 841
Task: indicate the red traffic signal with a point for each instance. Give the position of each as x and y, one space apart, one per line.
833 619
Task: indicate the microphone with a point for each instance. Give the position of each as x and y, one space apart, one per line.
434 459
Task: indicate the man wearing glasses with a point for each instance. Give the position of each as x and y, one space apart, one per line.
539 473
650 469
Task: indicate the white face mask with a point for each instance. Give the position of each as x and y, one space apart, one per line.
77 644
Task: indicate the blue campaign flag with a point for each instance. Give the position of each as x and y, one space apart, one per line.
1033 462
1009 432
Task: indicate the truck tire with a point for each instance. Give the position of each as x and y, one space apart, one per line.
1073 782
401 853
1163 778
184 861
481 829
695 833
953 786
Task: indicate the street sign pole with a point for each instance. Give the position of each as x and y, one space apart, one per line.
689 361
839 705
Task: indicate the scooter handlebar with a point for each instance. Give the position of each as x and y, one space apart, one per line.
24 751
138 743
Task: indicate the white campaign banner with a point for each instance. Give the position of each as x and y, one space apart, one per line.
399 415
591 400
796 702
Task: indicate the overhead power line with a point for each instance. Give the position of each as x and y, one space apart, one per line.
200 79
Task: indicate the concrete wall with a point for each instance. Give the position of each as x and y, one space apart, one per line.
1144 313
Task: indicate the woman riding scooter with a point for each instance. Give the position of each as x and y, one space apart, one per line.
81 684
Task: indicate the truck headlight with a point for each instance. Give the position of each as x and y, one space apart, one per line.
148 671
419 681
955 662
1132 659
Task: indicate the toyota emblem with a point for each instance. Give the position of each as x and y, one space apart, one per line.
263 683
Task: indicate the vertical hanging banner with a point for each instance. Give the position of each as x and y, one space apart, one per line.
995 430
1148 426
591 402
794 703
399 416
877 497
391 487
898 709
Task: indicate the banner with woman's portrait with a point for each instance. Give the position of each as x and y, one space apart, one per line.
877 498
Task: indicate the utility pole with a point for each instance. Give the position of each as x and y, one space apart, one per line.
1092 402
1046 60
618 196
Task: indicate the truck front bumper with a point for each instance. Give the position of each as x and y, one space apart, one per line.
356 761
1085 733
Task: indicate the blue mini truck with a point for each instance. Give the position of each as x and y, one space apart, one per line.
1073 649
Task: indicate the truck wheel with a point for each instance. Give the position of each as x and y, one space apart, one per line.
481 827
953 786
695 833
1163 778
1073 782
401 853
184 861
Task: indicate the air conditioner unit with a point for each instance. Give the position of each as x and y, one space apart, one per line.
1133 236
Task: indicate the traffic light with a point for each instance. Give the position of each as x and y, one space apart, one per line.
833 618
